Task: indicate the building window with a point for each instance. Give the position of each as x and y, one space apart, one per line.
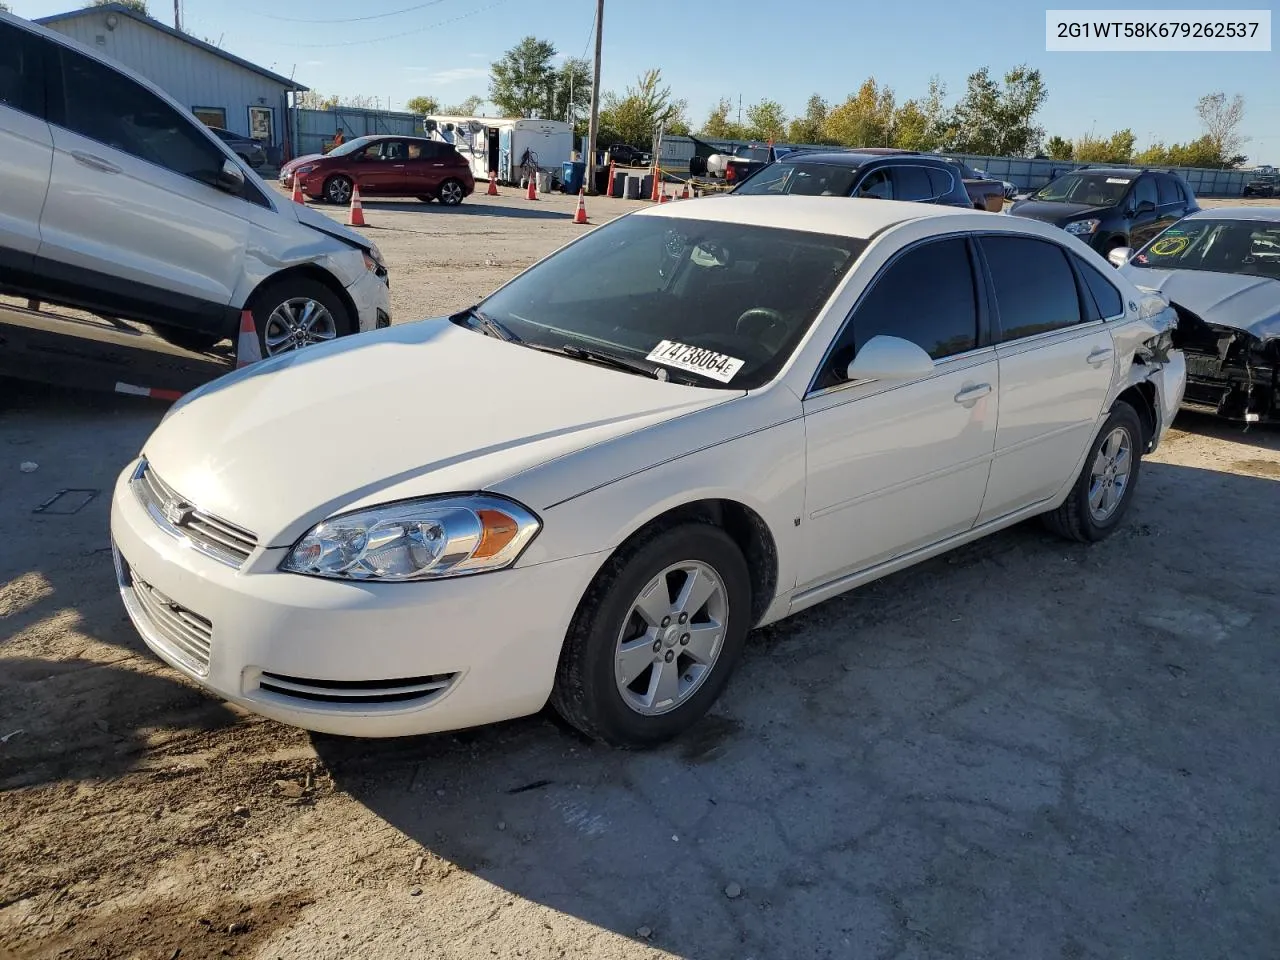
211 116
260 124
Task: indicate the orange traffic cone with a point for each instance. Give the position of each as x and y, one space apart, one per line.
533 188
580 215
493 184
356 217
684 194
297 190
248 350
609 187
664 198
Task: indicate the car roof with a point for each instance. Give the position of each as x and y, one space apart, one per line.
1117 171
836 216
1236 213
852 158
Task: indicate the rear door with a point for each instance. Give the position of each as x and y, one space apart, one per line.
1056 361
911 182
1171 203
133 223
26 149
1145 222
433 165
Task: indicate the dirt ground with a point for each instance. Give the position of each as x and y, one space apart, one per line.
1025 749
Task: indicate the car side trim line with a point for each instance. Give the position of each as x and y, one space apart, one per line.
904 485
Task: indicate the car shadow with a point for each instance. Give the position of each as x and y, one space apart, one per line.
464 209
881 763
1265 435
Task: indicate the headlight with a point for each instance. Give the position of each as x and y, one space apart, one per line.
425 539
303 170
373 259
1082 226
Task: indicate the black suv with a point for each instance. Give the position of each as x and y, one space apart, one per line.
853 174
1267 185
1108 207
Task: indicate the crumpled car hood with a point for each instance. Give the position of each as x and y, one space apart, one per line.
1251 304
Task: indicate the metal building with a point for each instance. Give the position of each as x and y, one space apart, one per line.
220 88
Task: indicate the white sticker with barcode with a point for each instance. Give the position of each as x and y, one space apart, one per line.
700 360
1117 180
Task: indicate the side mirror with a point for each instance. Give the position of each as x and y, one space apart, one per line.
890 358
1120 256
1146 206
230 178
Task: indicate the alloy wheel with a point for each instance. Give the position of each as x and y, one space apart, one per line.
1109 476
296 323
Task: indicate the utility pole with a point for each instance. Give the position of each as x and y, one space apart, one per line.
593 125
739 109
177 14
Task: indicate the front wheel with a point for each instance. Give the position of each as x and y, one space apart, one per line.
656 637
451 193
1102 493
338 189
298 312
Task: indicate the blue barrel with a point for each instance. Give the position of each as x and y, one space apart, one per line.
572 174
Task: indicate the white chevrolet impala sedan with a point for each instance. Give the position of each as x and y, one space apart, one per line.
589 488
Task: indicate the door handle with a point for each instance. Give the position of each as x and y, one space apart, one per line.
1099 355
976 392
398 166
96 163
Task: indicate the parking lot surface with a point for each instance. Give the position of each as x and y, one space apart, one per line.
1023 749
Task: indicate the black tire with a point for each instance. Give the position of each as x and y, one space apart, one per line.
585 693
1074 520
337 189
192 340
451 192
282 291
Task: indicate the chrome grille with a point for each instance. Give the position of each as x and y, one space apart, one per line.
212 536
364 693
182 633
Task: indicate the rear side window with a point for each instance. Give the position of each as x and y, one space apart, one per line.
99 103
1034 287
1104 295
1169 191
940 181
876 184
940 316
911 183
21 71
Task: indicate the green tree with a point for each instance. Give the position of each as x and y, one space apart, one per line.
766 120
572 89
865 119
423 104
520 81
1118 148
911 128
1059 148
996 119
808 129
636 115
137 6
469 107
939 127
718 126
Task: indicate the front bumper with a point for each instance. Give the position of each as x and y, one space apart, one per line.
367 660
371 295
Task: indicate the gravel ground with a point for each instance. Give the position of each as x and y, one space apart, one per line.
1024 749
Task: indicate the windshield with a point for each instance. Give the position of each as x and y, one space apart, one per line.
804 179
1245 247
752 153
740 297
1095 189
351 146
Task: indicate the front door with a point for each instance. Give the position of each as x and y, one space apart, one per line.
132 214
1146 220
385 169
1056 364
26 148
893 467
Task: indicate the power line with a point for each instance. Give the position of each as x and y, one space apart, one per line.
590 36
402 33
372 16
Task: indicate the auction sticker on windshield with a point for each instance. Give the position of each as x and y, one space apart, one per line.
682 356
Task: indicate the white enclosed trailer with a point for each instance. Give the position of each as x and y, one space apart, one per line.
505 144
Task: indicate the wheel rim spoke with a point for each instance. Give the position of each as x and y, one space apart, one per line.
695 592
655 603
633 659
664 684
704 642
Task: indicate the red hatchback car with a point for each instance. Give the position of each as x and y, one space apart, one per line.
385 166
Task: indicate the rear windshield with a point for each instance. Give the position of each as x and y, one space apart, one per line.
746 293
803 179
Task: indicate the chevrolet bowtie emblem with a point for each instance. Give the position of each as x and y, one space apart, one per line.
176 512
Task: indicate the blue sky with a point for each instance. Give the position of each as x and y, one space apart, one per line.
766 49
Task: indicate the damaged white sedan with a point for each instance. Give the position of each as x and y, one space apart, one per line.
589 488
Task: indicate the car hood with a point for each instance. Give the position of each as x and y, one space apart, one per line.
1251 304
1055 213
297 161
427 407
318 221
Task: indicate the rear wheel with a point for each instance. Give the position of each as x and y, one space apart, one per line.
451 192
297 312
656 637
337 189
1104 489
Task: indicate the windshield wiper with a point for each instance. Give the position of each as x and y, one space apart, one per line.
490 326
652 371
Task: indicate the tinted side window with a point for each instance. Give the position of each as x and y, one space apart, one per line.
1034 287
108 107
21 70
876 184
911 183
1105 295
939 182
1168 190
1144 190
940 316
